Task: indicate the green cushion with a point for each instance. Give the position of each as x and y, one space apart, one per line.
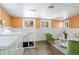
73 47
49 37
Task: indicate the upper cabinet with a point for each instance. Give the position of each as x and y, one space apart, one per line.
57 23
74 22
16 22
37 23
4 18
0 13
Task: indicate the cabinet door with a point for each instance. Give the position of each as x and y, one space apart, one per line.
26 38
0 17
57 23
5 17
0 13
2 51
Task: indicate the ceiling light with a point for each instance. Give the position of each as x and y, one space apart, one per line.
34 10
51 6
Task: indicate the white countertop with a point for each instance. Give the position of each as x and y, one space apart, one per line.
6 39
74 39
11 33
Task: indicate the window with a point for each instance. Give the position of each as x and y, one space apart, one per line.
28 23
45 24
2 23
66 24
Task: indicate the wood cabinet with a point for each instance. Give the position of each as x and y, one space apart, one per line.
16 22
74 22
0 13
5 17
57 23
37 23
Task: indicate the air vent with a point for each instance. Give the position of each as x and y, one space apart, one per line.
33 10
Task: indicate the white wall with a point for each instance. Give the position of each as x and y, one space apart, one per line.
73 32
40 33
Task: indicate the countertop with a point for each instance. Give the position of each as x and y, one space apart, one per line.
11 33
74 39
6 39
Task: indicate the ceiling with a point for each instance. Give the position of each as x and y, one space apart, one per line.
60 11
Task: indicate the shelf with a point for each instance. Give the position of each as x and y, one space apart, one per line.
29 44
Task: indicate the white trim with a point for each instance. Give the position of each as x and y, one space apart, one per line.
49 23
